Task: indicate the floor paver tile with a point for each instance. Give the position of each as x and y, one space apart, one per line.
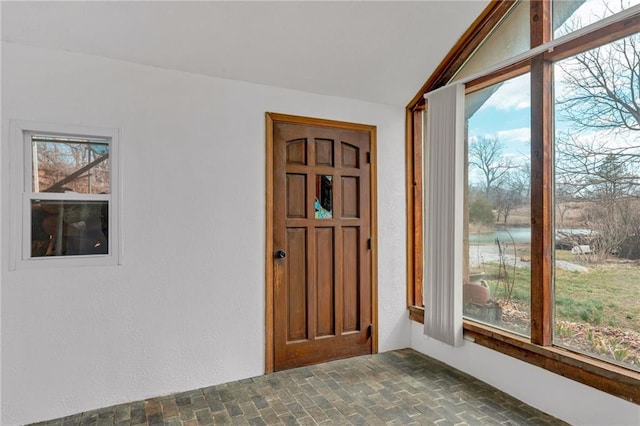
399 387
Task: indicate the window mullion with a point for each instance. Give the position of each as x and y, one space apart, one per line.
68 196
541 185
540 13
607 34
418 206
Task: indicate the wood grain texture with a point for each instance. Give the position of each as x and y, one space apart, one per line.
328 316
607 34
413 162
296 195
350 197
410 142
351 279
350 155
294 294
325 282
297 152
268 250
600 375
506 73
418 207
324 152
540 22
541 179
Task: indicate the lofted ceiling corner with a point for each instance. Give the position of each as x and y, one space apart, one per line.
373 51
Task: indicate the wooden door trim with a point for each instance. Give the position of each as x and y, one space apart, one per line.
270 119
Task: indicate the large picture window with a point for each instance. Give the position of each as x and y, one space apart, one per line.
552 198
68 188
597 202
497 287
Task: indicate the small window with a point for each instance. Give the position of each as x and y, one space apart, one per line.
65 198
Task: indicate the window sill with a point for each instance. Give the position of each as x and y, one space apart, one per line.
46 262
606 377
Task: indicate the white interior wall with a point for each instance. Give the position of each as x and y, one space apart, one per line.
186 308
563 398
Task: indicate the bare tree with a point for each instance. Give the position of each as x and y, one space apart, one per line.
598 148
486 154
588 167
603 87
512 191
80 167
617 222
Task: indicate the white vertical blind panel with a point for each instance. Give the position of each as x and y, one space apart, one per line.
443 218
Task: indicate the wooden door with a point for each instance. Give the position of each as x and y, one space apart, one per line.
322 248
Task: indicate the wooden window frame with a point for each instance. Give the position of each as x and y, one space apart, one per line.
539 349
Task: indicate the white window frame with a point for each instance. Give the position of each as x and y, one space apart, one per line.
21 193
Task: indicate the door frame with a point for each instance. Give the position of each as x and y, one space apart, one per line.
270 119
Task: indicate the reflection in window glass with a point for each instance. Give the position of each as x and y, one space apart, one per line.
597 202
68 228
324 197
571 15
70 165
498 279
507 40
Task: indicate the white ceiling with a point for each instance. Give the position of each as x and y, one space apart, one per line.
374 51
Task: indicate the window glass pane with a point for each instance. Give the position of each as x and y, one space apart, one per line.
597 202
70 165
571 15
510 38
324 197
68 228
498 278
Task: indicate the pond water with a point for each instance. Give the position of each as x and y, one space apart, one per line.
519 235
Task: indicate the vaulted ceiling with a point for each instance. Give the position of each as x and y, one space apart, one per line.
374 51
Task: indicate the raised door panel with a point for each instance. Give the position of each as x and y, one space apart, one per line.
297 151
323 298
296 284
351 279
296 195
324 152
350 197
325 283
350 155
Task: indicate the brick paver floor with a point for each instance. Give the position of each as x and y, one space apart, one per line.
401 387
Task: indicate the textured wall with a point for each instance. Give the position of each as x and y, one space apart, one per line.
186 308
